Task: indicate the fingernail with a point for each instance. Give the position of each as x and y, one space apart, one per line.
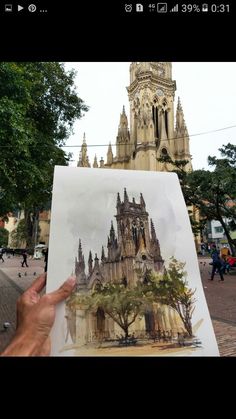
71 280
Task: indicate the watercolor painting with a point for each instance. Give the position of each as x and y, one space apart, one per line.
126 236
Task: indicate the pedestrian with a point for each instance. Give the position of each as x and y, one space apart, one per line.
203 249
216 263
1 254
35 318
24 261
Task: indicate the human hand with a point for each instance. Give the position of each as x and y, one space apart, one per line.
35 318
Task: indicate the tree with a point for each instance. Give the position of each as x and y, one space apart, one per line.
38 106
171 289
214 193
118 301
4 234
179 167
121 303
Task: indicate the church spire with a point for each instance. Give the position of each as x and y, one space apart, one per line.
83 157
118 202
142 202
96 262
95 163
90 262
180 123
126 198
80 253
153 231
80 264
112 233
123 136
103 255
109 155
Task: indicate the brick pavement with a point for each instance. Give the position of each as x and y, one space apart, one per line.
221 298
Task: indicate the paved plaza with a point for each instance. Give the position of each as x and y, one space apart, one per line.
220 296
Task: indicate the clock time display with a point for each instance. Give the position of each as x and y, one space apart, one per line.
219 8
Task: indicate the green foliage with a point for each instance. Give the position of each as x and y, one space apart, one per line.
172 290
214 192
228 152
38 106
4 234
123 303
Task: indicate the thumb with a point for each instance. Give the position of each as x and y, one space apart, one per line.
63 292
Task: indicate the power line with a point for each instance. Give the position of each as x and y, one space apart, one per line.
105 145
174 138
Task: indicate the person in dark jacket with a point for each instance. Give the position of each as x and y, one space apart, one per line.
216 263
24 261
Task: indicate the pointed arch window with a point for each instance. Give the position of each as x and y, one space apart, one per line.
155 120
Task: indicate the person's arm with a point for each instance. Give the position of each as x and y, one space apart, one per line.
35 318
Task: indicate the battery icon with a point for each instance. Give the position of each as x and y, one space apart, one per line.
205 7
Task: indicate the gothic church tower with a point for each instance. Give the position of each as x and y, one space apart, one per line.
152 128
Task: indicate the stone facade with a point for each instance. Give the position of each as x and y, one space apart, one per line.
154 132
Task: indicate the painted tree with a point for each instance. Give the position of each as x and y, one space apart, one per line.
121 303
170 288
118 301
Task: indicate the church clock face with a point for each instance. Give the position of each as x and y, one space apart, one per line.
160 92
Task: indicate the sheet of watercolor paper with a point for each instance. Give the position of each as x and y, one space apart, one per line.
127 238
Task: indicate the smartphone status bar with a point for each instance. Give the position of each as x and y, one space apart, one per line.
163 8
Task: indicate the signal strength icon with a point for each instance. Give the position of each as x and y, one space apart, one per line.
175 8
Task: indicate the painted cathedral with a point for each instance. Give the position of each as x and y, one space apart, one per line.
154 132
132 251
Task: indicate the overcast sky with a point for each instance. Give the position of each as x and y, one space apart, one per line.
207 92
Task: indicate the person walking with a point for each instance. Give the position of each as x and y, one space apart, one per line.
216 263
24 261
1 255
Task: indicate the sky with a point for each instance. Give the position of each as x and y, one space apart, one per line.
207 92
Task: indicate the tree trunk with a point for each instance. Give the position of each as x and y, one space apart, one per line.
185 319
230 240
188 326
31 226
126 330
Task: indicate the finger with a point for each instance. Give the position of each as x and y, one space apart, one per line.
63 292
39 283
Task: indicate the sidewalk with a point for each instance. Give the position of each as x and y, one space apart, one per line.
220 296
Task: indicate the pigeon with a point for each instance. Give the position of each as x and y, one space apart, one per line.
34 273
19 274
6 325
25 273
